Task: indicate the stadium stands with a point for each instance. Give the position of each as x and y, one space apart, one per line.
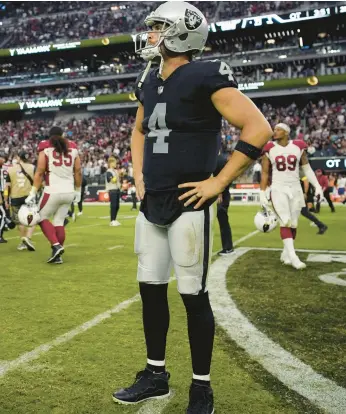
320 124
69 91
66 21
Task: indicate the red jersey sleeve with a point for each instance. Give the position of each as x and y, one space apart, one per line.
268 146
72 144
42 145
300 144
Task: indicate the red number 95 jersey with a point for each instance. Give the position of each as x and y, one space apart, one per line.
59 176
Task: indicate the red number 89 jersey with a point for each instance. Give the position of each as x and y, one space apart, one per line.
285 161
59 176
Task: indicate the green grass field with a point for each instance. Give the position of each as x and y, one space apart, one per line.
77 373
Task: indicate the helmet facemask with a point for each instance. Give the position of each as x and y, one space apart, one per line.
148 51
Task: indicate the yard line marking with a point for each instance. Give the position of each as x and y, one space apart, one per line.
108 217
292 372
41 234
76 227
156 406
37 352
116 247
70 245
298 250
6 366
248 236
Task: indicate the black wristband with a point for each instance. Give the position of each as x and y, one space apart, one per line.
248 149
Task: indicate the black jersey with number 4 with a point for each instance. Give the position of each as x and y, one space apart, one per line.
182 131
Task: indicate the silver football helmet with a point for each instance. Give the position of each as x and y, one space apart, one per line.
184 29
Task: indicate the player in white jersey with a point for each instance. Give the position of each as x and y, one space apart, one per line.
60 167
284 158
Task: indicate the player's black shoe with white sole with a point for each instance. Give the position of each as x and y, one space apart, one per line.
147 386
28 244
58 260
57 250
201 400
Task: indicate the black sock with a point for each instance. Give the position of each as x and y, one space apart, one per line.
155 322
201 328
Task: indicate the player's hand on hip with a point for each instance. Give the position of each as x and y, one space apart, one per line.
219 199
201 191
263 199
140 187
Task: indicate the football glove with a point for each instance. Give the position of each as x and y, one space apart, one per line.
31 198
319 193
264 202
77 195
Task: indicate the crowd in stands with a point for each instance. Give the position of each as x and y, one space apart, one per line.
31 72
69 91
244 75
25 10
321 125
250 8
67 21
97 138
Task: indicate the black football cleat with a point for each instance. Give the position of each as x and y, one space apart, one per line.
2 240
201 400
322 230
58 260
225 252
57 250
147 386
28 244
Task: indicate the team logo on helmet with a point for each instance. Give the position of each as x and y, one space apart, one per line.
30 218
192 19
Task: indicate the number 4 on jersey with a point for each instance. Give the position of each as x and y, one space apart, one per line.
158 117
226 70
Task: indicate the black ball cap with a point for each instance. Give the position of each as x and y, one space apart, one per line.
23 155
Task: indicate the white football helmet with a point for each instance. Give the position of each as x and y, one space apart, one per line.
265 221
184 29
28 215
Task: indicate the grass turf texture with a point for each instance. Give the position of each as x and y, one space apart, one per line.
39 302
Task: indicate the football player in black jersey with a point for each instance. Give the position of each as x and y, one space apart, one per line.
174 146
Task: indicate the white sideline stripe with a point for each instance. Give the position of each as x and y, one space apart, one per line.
156 406
241 239
40 233
292 372
108 217
116 247
71 245
76 227
298 250
37 352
